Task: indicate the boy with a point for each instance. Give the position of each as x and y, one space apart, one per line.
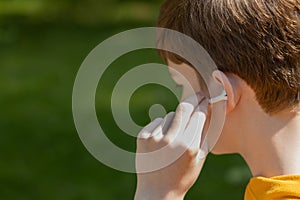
256 46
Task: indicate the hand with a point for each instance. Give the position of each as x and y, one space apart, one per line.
178 134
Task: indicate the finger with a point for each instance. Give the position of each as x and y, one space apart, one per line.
161 129
205 107
194 130
182 116
201 155
201 111
146 132
193 133
167 123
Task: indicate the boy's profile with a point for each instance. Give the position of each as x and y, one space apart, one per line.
256 46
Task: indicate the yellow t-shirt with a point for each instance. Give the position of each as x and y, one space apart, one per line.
276 188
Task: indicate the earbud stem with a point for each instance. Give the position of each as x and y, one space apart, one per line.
221 97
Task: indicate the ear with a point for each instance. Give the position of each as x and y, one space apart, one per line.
230 88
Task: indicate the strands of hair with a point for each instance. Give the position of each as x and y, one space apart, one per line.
258 40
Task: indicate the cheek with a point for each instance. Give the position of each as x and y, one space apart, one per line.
187 91
190 89
187 78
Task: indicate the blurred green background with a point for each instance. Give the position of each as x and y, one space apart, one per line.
42 45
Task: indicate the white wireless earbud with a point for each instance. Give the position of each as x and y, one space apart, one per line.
221 97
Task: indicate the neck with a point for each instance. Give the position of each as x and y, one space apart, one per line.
272 148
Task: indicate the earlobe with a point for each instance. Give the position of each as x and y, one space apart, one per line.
229 87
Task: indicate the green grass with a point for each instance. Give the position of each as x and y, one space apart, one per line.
41 154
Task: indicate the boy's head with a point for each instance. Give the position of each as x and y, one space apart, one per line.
257 40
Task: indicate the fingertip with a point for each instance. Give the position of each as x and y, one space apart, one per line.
148 129
159 119
185 107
